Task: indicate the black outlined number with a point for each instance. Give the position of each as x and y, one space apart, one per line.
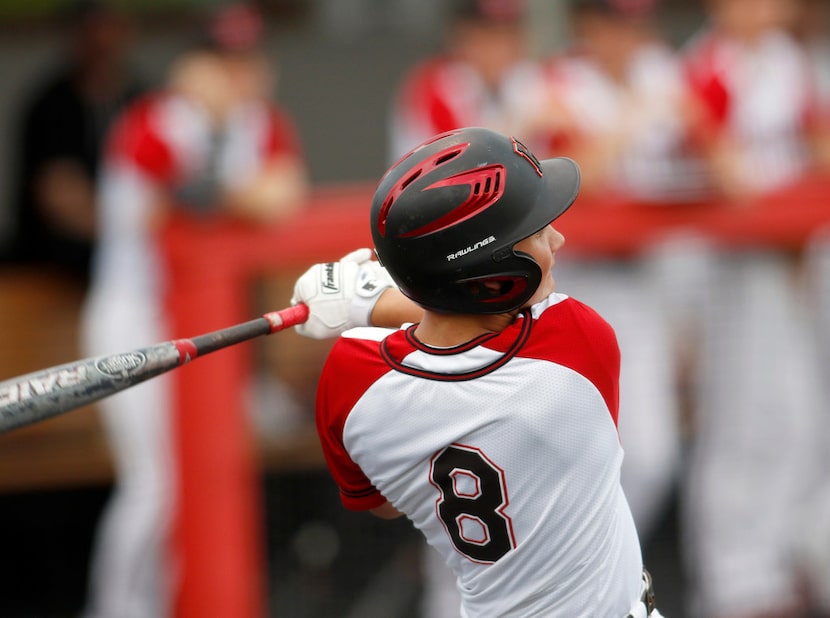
472 501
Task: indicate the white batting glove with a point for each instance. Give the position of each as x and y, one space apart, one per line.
340 295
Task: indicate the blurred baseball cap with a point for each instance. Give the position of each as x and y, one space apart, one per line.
235 28
622 8
490 10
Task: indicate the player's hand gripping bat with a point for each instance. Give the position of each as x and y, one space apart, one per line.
53 391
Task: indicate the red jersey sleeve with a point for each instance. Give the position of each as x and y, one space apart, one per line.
422 98
351 368
135 141
283 137
572 334
707 84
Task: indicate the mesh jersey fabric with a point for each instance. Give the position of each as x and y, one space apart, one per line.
503 452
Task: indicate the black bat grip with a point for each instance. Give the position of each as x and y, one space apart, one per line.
267 324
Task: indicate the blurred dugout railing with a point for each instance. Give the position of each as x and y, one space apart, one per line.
225 272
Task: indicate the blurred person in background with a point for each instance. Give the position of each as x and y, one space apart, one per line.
616 105
211 143
758 403
618 101
62 130
812 544
484 77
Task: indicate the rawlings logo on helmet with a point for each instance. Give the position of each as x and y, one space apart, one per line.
462 252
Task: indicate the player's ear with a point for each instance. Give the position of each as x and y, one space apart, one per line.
491 287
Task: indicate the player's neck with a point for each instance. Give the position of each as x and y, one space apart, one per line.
442 330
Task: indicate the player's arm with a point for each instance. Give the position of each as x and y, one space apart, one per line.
386 511
279 189
393 309
274 193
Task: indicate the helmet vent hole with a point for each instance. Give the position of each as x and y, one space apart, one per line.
383 215
410 179
448 156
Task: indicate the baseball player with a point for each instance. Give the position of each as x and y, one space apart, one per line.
756 410
209 143
483 77
490 421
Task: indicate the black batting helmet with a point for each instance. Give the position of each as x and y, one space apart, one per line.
446 216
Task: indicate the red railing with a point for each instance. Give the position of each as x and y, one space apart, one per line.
213 264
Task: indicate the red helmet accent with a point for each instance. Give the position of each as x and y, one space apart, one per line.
486 187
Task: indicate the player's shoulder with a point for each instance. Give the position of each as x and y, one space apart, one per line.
366 333
570 333
357 348
280 130
561 302
136 127
566 315
353 365
428 77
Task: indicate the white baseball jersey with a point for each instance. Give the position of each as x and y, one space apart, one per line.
761 96
642 110
503 451
445 93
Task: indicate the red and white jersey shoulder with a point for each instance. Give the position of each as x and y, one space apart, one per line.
157 143
167 137
760 97
640 116
443 93
504 452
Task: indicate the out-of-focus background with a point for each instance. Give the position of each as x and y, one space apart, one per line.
711 463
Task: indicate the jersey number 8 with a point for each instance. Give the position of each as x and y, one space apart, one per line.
472 502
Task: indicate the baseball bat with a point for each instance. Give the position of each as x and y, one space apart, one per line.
49 392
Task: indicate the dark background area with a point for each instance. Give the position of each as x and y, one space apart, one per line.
374 571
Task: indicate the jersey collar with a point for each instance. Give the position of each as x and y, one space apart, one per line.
403 352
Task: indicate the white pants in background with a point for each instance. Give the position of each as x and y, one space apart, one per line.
812 536
130 575
755 420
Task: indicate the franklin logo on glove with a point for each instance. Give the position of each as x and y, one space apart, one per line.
330 276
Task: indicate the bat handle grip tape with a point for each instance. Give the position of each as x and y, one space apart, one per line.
288 317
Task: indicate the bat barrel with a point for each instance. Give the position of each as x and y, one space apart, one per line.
49 392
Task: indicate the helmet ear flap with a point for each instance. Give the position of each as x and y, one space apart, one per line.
512 286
